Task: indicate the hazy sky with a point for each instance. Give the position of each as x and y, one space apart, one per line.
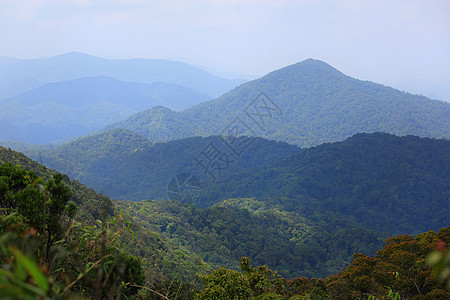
404 44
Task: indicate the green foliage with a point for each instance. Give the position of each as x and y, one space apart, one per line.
440 258
90 205
385 276
127 166
86 260
42 204
162 261
13 278
380 181
244 227
398 270
250 283
173 289
104 268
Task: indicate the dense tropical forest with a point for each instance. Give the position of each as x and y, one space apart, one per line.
351 180
303 184
127 166
61 238
406 178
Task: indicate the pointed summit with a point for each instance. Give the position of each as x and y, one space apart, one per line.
74 55
311 68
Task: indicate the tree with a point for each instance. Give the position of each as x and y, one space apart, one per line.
251 282
44 253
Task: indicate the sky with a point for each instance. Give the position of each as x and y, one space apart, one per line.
403 44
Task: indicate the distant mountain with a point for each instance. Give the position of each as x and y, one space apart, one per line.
72 108
383 182
306 104
22 75
135 96
22 147
7 60
126 166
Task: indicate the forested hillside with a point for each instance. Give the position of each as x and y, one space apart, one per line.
356 191
155 252
90 204
377 180
307 103
401 270
172 244
171 236
383 182
126 166
287 241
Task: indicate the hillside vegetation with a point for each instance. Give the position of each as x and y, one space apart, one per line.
383 182
165 246
126 166
401 270
287 241
357 178
92 207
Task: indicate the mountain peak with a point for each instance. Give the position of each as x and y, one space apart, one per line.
75 54
309 70
312 68
312 60
315 104
316 64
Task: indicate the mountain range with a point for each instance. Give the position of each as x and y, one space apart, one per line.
127 166
59 98
20 75
68 109
305 104
302 211
382 182
297 170
176 240
354 179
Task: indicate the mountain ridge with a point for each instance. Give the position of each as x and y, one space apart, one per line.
68 109
22 75
142 169
355 178
318 104
99 87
